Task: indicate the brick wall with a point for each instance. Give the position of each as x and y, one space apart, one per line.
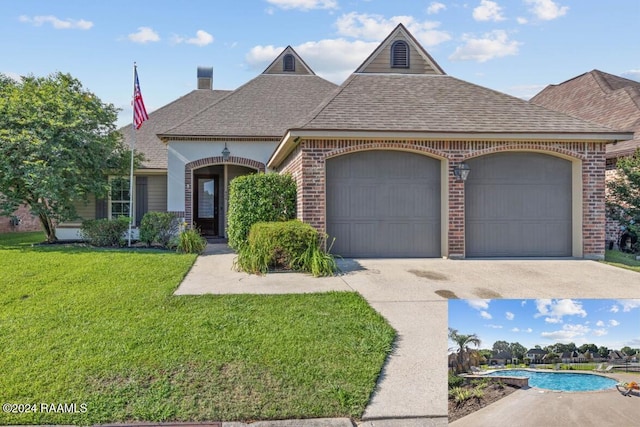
307 164
28 222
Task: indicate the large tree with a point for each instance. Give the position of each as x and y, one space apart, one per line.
517 350
462 345
623 195
58 141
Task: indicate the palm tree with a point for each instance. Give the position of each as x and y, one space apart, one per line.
462 342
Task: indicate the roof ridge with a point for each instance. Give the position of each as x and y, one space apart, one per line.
326 102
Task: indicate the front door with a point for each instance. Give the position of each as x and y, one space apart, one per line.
206 204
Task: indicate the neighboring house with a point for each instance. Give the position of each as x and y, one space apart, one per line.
616 356
375 160
535 355
602 98
501 358
20 220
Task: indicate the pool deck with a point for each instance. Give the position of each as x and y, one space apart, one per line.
536 407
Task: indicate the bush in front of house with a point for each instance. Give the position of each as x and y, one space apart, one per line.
291 245
105 232
159 228
190 241
262 197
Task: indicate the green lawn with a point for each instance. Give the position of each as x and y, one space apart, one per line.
102 328
622 260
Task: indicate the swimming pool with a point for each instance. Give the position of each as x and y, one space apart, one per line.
559 381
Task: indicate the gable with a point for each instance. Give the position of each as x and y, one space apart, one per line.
289 62
381 60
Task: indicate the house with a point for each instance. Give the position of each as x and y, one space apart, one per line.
20 220
380 162
535 355
616 356
501 358
602 98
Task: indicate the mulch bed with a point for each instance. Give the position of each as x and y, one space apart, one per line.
492 393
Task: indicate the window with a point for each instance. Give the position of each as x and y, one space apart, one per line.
288 63
119 198
399 55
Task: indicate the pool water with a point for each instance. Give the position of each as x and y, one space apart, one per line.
560 381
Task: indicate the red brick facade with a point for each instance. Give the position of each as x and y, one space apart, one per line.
307 165
28 222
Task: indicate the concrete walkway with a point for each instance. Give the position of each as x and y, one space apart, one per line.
535 407
412 295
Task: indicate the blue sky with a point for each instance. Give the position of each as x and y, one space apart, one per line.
514 46
612 323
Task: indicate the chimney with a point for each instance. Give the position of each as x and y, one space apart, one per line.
205 78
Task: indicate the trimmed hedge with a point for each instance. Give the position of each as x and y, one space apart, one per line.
105 232
291 245
257 198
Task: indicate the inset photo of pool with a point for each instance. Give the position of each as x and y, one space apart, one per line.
544 361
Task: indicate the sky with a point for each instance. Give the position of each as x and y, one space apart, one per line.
604 322
513 46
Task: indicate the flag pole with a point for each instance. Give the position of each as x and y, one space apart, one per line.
133 146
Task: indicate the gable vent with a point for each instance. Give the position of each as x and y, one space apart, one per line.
400 55
289 63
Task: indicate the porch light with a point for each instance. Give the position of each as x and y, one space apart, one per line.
225 153
461 171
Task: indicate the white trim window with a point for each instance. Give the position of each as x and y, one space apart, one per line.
119 197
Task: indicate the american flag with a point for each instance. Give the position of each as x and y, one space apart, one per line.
139 112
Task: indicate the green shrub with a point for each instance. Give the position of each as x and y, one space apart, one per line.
258 198
291 245
460 394
455 381
105 232
191 242
158 227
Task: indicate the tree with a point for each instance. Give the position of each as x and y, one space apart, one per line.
552 357
603 351
58 142
500 346
627 350
623 196
518 350
584 348
462 342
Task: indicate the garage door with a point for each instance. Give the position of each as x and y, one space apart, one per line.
518 204
384 204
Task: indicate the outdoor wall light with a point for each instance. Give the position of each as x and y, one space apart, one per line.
461 171
225 153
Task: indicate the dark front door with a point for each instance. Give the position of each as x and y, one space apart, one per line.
205 204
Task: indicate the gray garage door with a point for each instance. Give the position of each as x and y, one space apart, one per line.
384 204
518 204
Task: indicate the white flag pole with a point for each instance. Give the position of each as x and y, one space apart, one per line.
133 146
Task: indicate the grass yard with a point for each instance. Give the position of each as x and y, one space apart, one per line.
622 260
102 328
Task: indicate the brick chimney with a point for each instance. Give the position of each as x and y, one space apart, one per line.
205 78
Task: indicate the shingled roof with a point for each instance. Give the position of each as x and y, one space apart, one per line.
266 106
436 103
155 152
601 98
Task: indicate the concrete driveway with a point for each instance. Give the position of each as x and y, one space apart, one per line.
412 295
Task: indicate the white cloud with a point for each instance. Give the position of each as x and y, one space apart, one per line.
478 304
614 309
494 44
332 59
524 91
546 10
600 323
568 332
305 4
522 20
555 310
599 332
494 326
509 315
629 304
435 7
632 74
58 24
375 27
202 38
613 322
515 330
485 315
13 76
488 11
528 330
523 303
144 35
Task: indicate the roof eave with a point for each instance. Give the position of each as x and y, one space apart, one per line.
288 143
